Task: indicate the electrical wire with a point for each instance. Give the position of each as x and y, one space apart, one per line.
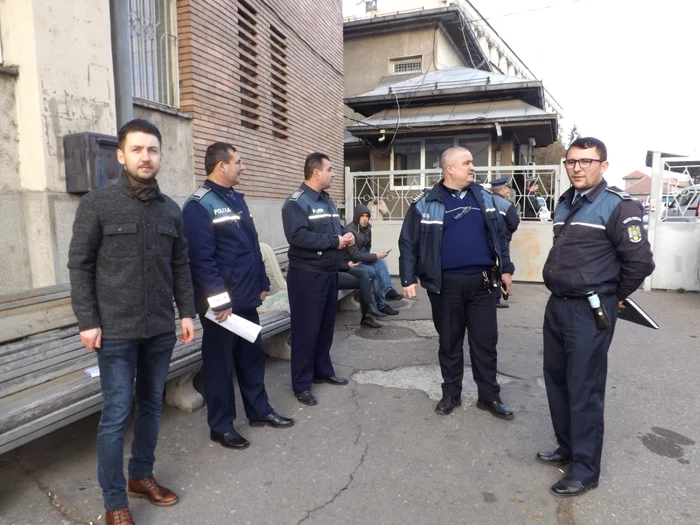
302 39
525 11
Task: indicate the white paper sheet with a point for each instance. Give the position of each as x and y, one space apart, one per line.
239 326
93 371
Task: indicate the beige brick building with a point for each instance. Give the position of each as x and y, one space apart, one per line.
266 76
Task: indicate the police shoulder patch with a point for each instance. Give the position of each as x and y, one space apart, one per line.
295 196
620 193
201 192
420 195
634 232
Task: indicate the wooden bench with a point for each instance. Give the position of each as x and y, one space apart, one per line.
43 384
276 265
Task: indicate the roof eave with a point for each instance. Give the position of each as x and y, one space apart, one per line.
371 129
359 101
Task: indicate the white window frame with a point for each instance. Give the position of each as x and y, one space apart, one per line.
154 56
455 142
400 60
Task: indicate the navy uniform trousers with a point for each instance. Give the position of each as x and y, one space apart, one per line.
575 370
313 301
222 352
464 302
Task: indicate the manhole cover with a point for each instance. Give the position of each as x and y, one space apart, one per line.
385 333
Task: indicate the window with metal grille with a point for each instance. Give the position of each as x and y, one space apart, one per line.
399 66
153 28
248 65
279 108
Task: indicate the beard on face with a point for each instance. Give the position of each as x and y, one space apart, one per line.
134 172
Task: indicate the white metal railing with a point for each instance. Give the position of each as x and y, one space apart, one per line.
680 193
674 225
534 189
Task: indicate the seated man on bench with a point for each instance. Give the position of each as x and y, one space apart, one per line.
352 277
374 263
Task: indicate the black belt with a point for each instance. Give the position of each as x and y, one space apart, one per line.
572 297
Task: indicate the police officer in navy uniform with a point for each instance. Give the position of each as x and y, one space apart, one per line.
316 243
229 276
453 239
501 198
600 247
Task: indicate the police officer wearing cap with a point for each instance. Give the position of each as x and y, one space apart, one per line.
316 242
501 198
600 256
453 239
229 276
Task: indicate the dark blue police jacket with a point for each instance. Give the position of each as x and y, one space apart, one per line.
225 260
599 246
312 226
420 241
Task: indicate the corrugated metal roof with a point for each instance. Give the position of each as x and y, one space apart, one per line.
500 110
452 78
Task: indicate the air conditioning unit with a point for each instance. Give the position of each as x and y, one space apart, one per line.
91 161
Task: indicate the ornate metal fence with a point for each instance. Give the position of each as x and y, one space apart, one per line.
388 194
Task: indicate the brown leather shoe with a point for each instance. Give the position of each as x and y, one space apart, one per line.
149 489
119 517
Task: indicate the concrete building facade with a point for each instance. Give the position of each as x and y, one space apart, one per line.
265 76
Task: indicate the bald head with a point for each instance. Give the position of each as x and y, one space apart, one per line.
448 157
457 167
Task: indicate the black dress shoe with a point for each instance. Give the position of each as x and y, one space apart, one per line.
306 398
333 380
553 458
447 404
393 295
230 439
369 322
502 305
570 487
497 408
389 310
274 420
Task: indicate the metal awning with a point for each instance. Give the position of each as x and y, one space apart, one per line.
447 86
435 118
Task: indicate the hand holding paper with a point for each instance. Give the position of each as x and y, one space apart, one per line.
239 326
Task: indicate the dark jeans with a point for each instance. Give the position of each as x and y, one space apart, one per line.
222 352
575 372
356 279
313 301
379 275
464 302
121 362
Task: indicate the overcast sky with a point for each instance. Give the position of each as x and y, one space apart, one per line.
624 73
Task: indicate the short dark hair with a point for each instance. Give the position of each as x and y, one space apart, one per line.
590 142
217 152
138 125
314 161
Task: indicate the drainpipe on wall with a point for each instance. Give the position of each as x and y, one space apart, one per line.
121 61
499 143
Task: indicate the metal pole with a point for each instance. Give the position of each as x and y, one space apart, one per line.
656 206
349 195
121 61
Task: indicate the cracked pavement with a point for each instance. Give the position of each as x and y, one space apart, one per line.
375 454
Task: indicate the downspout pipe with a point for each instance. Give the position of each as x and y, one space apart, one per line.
121 61
499 143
